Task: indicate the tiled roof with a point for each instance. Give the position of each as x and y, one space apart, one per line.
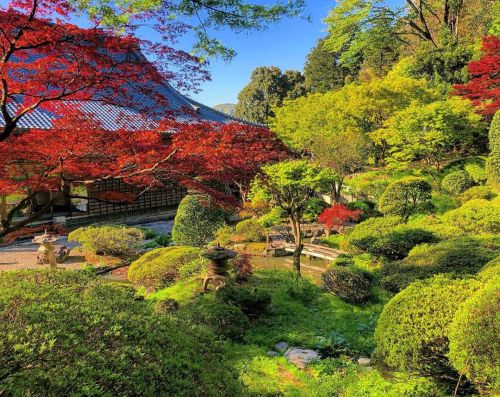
114 117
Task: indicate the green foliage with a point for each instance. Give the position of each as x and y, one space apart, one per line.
429 132
252 303
477 193
457 256
475 217
490 270
267 89
223 235
117 240
251 230
226 321
322 70
493 162
405 196
64 333
474 342
343 260
272 218
457 182
302 290
388 237
162 266
412 330
476 172
348 284
368 208
197 220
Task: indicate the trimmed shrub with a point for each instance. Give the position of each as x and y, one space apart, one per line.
197 220
223 235
476 172
458 256
162 266
226 321
477 192
490 270
476 217
115 240
350 285
87 338
369 209
343 260
388 237
251 230
474 342
252 303
456 182
412 330
405 197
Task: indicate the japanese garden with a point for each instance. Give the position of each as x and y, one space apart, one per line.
334 232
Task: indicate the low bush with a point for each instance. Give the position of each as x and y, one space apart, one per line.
251 230
223 235
243 268
252 303
343 260
474 342
226 321
477 192
350 285
388 237
476 172
162 266
412 330
115 240
456 182
197 220
369 209
459 256
302 290
90 339
476 217
490 270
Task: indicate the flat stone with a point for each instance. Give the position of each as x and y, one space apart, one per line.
281 347
272 353
364 361
301 357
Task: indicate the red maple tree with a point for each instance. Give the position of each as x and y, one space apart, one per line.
483 89
44 60
335 217
77 151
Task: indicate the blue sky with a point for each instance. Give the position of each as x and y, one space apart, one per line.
285 45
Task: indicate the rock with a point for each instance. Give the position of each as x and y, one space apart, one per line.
271 353
301 357
281 347
364 361
240 247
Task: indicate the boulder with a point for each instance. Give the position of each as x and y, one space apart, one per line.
281 347
364 361
301 357
272 353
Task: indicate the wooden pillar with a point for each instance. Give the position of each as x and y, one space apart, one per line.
3 207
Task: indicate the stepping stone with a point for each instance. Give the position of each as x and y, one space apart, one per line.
364 361
301 357
281 347
272 353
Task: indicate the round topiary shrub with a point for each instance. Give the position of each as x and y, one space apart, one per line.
348 284
162 266
116 240
343 260
490 270
252 303
474 341
475 217
87 338
251 230
412 330
197 220
477 192
456 182
458 256
226 321
388 237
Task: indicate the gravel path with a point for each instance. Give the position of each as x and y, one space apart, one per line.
22 255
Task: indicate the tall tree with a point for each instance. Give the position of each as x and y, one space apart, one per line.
323 71
291 185
484 87
267 89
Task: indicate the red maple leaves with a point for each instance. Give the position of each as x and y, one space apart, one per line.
335 217
484 87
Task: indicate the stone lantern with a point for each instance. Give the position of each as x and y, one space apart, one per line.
218 267
46 252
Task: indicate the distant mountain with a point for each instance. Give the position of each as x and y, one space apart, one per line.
227 108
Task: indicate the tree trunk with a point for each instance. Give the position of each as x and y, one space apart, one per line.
297 237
